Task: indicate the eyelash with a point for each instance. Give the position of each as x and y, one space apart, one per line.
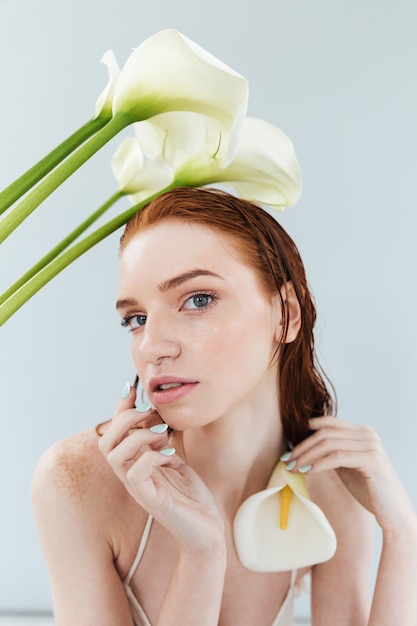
196 294
126 320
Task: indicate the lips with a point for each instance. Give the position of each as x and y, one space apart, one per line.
162 383
167 389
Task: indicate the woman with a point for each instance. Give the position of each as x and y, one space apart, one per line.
214 294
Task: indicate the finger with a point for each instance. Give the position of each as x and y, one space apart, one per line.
330 421
134 444
127 399
151 460
329 426
122 423
129 422
145 473
328 447
336 459
331 434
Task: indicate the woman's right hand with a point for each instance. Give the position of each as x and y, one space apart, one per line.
163 484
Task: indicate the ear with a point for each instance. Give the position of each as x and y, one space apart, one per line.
294 313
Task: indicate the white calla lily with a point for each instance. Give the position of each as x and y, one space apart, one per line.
265 168
169 72
104 104
263 546
192 131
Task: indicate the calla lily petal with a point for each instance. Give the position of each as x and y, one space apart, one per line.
127 163
155 177
178 136
264 170
137 176
148 161
104 104
261 544
151 138
169 72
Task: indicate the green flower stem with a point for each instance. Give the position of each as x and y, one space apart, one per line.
26 181
18 299
60 174
60 247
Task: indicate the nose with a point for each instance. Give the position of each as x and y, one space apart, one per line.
159 340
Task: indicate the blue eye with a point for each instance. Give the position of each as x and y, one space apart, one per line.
134 321
199 301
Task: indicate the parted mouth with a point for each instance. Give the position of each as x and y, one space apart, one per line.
163 383
168 386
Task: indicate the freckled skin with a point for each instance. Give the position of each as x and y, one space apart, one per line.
73 477
74 464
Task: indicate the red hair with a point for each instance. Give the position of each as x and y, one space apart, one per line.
267 248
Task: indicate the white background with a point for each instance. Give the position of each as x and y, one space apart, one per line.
340 79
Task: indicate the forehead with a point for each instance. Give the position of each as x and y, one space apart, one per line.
178 243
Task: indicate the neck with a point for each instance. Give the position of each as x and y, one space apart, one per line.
233 457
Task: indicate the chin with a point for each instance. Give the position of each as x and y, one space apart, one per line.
179 420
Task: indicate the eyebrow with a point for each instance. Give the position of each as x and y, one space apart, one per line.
182 278
171 283
125 302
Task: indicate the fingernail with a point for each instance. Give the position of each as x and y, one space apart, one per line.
305 468
126 391
286 456
167 451
159 428
291 465
145 406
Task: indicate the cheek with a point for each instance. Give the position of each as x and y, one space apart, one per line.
240 340
135 352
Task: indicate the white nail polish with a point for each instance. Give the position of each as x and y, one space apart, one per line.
142 408
158 429
126 391
167 451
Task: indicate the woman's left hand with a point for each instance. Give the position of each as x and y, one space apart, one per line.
357 455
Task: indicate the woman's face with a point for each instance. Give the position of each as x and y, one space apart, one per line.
203 330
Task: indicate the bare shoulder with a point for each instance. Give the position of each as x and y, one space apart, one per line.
77 499
75 468
74 483
88 527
